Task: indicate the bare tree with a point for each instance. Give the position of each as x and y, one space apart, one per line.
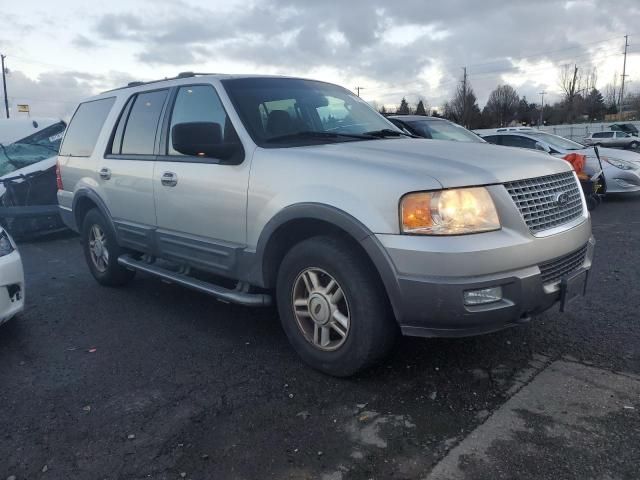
503 104
570 82
463 107
611 93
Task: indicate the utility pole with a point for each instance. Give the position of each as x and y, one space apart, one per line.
4 85
358 90
464 97
624 74
542 94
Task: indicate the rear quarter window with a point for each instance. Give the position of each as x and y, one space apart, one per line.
84 129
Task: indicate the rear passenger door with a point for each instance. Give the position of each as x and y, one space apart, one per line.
201 202
126 173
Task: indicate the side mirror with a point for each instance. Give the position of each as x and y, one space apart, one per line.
542 147
202 139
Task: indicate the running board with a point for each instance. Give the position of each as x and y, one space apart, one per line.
223 294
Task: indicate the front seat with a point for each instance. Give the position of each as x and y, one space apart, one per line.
279 123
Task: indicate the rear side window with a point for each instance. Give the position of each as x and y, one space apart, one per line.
492 139
518 141
84 129
140 123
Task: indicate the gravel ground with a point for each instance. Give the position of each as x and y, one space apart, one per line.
155 381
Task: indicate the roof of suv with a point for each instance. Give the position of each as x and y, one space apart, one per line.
217 76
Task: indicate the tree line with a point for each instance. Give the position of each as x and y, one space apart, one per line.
581 101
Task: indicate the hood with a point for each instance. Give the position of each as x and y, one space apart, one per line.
620 154
452 164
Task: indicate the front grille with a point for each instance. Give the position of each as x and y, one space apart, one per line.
554 270
537 200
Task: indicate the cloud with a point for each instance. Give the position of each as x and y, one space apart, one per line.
56 94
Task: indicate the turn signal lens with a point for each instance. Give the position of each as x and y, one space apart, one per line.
449 212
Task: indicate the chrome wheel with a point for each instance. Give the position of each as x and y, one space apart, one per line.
98 248
321 309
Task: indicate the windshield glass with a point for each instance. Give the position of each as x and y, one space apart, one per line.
29 150
443 130
557 142
281 112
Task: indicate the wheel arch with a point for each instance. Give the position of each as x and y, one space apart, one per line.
298 222
83 201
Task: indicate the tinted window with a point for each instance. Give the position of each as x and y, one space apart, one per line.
200 103
85 127
116 145
518 141
492 139
622 135
140 130
598 135
443 130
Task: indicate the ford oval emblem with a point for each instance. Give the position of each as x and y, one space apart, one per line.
562 199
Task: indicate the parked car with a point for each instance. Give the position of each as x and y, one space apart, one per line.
434 128
11 278
612 139
28 152
297 191
621 169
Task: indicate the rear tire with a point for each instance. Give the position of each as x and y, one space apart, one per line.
101 251
333 306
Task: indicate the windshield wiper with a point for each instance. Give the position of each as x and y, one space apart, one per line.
387 132
317 134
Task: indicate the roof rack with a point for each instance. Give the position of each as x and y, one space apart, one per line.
180 75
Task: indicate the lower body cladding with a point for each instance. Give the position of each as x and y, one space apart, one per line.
444 292
11 286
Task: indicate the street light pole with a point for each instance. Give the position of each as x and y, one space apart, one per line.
4 85
542 94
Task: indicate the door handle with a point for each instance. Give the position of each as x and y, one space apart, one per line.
169 179
105 173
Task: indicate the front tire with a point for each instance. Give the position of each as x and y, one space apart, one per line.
633 145
333 306
101 251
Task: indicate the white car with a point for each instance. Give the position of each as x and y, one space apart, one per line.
11 278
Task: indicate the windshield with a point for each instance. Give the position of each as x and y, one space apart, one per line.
557 142
443 130
282 112
32 149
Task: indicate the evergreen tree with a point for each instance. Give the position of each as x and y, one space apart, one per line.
403 109
595 107
420 110
383 111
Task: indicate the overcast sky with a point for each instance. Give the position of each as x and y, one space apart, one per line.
59 52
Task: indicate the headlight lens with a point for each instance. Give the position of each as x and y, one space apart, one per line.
621 164
5 244
449 212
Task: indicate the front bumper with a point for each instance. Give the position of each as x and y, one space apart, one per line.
432 275
11 286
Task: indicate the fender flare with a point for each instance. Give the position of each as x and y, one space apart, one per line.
97 201
344 221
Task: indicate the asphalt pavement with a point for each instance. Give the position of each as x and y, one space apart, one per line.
155 381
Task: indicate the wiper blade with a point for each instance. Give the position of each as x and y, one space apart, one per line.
387 132
317 134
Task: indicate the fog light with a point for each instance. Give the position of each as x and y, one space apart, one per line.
482 296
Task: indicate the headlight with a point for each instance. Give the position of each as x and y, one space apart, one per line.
5 244
449 212
621 164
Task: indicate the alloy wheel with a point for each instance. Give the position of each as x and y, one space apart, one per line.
321 309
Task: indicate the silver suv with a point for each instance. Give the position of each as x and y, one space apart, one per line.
269 189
